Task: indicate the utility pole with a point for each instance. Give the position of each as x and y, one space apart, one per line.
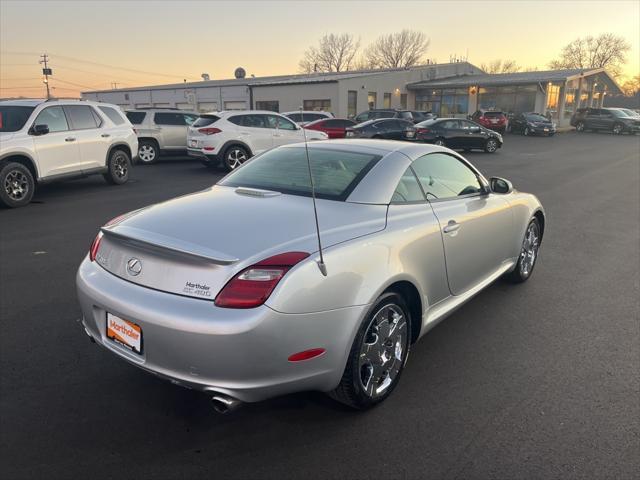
46 71
114 85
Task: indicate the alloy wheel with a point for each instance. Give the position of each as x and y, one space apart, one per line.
617 129
147 153
492 146
526 131
16 185
383 348
580 127
439 142
529 252
120 168
235 158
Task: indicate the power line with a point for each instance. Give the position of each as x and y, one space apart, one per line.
46 71
89 62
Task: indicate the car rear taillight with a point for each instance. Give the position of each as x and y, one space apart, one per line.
209 130
95 245
252 286
423 130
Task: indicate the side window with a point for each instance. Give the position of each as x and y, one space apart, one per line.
238 120
450 124
54 118
189 118
253 121
408 189
136 118
81 117
285 124
113 115
176 119
444 176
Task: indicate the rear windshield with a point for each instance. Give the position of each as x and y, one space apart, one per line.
493 114
285 170
204 120
13 118
534 117
115 116
136 117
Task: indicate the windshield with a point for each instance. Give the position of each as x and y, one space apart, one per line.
13 117
335 173
381 114
619 113
630 113
493 114
534 117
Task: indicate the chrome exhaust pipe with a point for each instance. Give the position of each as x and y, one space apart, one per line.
224 404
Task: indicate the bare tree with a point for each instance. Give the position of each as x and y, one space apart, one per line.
604 51
397 50
632 86
500 66
334 53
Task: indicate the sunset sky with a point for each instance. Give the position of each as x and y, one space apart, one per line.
92 44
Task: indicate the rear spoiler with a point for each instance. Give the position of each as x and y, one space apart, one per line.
162 243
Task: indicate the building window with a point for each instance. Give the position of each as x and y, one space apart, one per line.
510 99
444 103
372 100
352 103
323 105
387 101
270 105
403 100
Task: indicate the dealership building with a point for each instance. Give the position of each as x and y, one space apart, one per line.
450 90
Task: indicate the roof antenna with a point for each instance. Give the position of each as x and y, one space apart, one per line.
321 265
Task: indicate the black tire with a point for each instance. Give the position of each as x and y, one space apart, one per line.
440 142
377 137
118 167
234 156
580 127
351 390
16 185
520 273
618 129
491 145
148 152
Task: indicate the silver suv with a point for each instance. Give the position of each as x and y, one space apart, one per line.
49 140
160 131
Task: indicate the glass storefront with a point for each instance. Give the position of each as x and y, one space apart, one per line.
444 103
509 99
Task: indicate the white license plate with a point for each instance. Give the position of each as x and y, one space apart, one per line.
410 134
494 121
194 143
546 129
125 333
349 134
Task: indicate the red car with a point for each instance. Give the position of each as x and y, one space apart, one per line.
492 119
334 127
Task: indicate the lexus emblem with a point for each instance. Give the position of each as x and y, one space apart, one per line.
134 267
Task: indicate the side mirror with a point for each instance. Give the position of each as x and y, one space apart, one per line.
41 129
500 185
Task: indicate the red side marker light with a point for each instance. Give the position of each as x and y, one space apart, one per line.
306 355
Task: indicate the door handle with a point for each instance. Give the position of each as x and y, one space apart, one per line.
452 226
105 135
70 139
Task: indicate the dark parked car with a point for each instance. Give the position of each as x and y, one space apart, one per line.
610 119
458 133
492 119
532 124
334 127
389 128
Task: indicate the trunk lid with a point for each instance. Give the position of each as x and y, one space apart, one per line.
194 244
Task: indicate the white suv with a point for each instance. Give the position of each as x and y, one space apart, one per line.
47 140
233 137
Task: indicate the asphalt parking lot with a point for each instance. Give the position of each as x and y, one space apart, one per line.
540 380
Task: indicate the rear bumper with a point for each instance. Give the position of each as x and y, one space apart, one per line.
206 157
241 353
541 130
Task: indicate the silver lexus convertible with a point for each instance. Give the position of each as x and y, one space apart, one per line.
235 291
